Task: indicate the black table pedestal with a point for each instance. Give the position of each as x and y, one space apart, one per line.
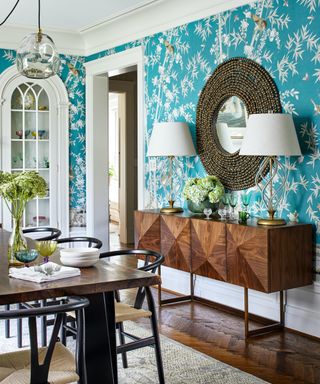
100 339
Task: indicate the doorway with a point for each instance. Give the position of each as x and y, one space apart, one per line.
97 148
122 112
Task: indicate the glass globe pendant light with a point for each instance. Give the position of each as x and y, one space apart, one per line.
37 57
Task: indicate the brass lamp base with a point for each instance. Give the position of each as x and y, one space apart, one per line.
271 222
171 209
270 195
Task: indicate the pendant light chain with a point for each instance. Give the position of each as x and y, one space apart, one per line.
10 13
39 38
39 27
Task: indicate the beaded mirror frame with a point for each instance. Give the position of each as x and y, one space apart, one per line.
250 82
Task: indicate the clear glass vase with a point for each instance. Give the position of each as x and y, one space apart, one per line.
17 242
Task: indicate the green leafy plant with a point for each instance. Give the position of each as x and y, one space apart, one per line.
17 189
200 189
111 171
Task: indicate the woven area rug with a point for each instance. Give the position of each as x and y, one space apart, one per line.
182 365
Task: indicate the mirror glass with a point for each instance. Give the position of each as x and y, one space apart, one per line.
231 124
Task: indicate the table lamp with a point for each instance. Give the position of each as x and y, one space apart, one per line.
171 139
270 135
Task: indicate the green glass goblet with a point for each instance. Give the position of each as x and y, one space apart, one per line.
225 202
233 200
46 248
245 198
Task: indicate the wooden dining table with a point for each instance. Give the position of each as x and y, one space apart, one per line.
98 284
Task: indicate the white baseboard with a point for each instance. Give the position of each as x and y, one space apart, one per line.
302 310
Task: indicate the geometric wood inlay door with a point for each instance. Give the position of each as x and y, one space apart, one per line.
147 231
175 242
266 259
247 256
208 239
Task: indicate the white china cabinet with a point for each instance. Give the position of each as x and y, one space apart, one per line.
34 131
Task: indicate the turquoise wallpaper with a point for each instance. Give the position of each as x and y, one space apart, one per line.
73 76
284 37
281 35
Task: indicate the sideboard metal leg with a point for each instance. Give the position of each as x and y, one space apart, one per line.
177 299
191 285
282 307
246 313
267 328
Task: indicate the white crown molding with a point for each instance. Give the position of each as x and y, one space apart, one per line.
148 20
114 16
67 42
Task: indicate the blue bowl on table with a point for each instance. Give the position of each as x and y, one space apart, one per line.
26 256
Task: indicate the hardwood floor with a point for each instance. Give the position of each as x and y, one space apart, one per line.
281 358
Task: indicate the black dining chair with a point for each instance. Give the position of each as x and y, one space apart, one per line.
90 242
39 234
42 233
54 363
150 261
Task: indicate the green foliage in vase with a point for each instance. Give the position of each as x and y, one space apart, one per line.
112 171
17 189
199 189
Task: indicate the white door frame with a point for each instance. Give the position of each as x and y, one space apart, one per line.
58 96
97 180
127 161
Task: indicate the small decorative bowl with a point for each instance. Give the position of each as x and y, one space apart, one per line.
41 133
19 133
26 256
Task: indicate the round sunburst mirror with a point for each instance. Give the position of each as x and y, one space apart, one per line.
237 88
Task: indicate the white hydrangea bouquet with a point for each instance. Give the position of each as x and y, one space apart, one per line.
16 190
203 193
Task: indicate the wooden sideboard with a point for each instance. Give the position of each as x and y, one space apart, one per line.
266 259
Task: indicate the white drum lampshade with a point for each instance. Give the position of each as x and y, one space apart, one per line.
171 139
271 135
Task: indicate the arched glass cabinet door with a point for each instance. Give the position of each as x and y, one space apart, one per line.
30 144
34 132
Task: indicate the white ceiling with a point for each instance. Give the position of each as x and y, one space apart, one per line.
68 15
85 27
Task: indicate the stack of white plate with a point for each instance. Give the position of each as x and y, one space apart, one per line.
79 257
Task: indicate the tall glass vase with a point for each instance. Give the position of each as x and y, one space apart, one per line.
17 242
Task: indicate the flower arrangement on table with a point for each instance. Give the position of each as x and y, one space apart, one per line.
202 193
16 189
